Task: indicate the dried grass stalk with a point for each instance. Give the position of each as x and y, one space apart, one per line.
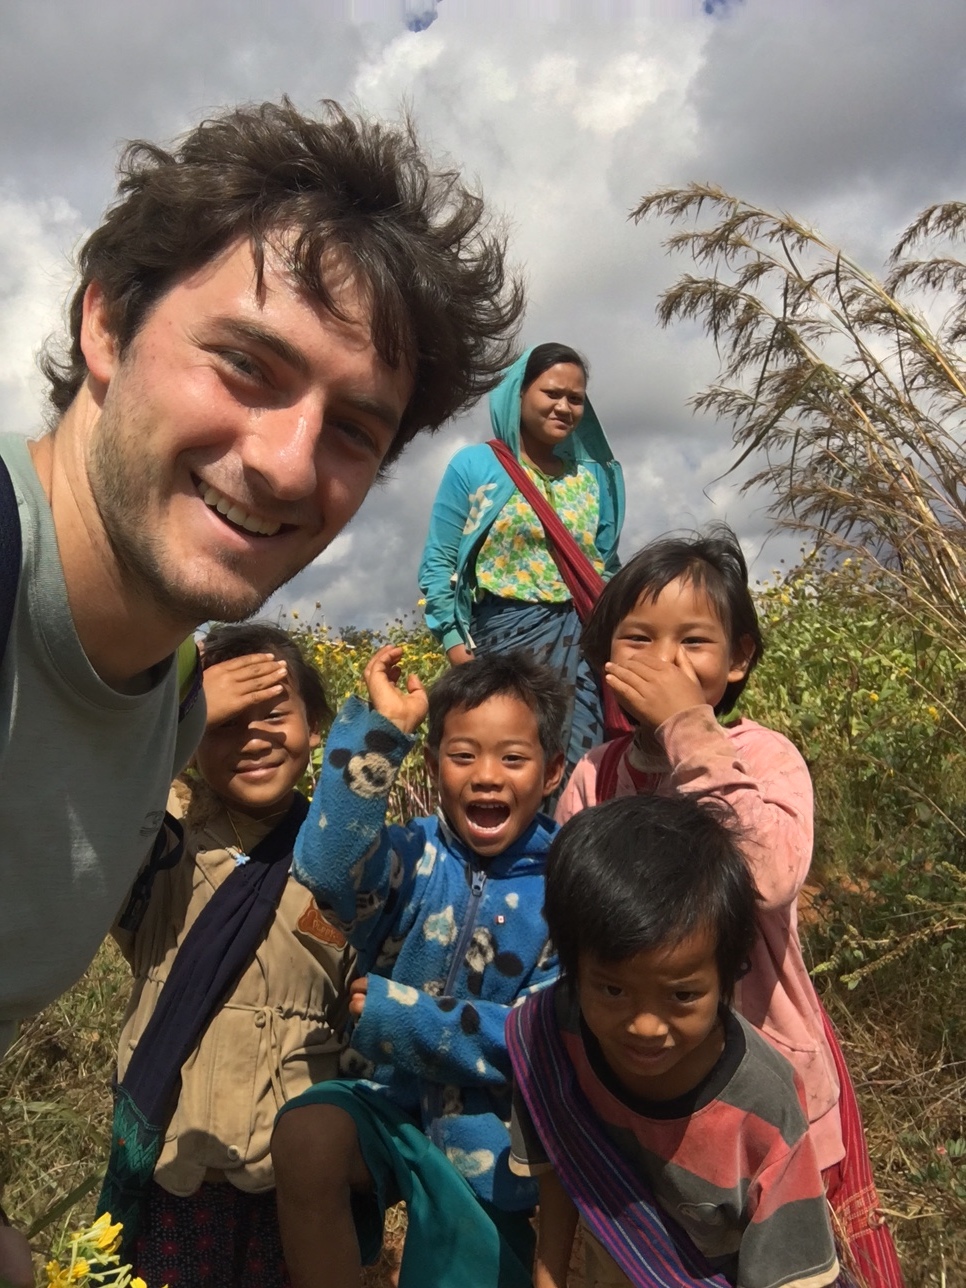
852 399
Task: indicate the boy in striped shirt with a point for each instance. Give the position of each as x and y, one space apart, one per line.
645 1105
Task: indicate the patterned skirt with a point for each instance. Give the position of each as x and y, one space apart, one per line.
220 1237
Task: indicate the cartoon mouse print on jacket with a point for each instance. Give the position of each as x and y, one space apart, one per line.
443 939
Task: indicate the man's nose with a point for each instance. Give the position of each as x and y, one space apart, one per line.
282 447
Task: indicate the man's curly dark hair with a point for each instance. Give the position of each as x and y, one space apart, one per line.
417 240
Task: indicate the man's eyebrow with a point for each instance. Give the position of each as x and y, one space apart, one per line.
268 339
295 358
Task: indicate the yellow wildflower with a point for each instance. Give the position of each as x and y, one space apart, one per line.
933 712
103 1234
873 697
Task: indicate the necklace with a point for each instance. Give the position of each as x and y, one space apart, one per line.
238 851
241 855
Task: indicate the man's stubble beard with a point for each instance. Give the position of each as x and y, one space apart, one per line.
122 488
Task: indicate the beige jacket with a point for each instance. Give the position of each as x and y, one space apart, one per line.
281 1030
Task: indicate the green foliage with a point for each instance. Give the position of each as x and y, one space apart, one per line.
872 701
341 658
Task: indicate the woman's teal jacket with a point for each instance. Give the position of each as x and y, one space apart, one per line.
475 489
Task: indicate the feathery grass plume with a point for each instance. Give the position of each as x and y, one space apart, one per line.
854 401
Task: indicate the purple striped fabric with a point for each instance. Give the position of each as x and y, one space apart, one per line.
610 1195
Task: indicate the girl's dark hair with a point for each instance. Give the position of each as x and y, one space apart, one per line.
419 241
222 643
712 561
515 673
645 872
545 356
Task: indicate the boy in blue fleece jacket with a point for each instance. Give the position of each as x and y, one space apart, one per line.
445 914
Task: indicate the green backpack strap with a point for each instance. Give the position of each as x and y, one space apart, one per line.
189 676
169 843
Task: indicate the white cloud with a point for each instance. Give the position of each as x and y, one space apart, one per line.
35 274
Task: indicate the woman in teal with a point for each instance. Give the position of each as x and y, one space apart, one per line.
488 577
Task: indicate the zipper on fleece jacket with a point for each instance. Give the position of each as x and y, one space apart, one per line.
433 1097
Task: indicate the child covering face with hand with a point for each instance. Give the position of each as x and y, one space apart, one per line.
675 635
240 985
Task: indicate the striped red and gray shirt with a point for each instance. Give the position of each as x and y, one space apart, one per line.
731 1161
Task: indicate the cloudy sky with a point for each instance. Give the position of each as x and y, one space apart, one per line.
851 114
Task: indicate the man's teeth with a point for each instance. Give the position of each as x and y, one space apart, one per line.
236 515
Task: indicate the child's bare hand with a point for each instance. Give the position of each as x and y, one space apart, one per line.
232 687
357 995
653 689
406 710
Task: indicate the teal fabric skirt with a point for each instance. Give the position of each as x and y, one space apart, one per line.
453 1239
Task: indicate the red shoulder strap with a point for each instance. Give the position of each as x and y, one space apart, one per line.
579 574
608 766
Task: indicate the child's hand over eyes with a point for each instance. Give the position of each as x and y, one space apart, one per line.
232 687
652 689
406 710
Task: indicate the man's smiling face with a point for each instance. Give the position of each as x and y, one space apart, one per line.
239 433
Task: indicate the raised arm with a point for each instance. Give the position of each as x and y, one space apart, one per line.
355 866
763 778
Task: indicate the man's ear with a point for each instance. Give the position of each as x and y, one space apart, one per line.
97 340
741 659
431 760
315 738
553 772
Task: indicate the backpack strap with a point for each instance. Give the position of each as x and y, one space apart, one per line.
189 676
167 851
11 551
608 766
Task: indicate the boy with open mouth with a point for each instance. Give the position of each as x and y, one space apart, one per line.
444 913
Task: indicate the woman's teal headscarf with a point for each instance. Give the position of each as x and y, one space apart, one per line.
586 443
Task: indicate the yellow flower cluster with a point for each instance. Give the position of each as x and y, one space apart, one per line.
341 659
90 1257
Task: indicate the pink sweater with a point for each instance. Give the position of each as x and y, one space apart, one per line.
765 781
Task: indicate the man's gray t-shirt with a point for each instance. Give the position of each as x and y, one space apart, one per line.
84 775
